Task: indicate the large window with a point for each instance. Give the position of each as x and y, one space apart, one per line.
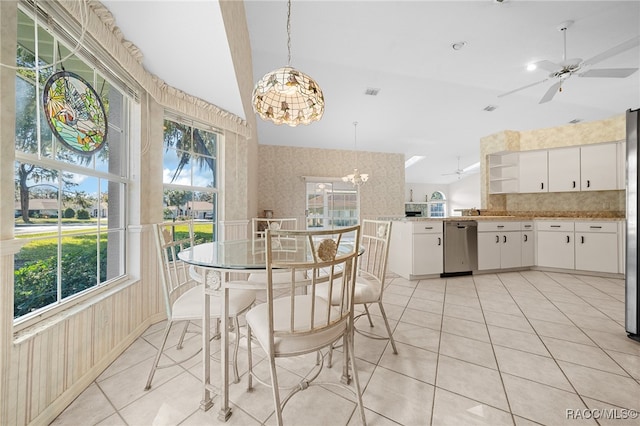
190 175
69 206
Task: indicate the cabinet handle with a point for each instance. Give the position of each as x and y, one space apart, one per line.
439 241
568 239
505 238
497 239
555 226
526 238
541 185
428 227
574 183
588 183
500 226
582 239
595 227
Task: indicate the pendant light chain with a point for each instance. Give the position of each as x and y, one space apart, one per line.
289 32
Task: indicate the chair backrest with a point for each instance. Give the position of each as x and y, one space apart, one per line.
376 235
261 224
326 259
171 238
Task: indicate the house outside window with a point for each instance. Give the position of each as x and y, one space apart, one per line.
70 207
190 165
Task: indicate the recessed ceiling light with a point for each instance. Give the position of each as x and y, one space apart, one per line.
371 91
458 45
490 108
532 66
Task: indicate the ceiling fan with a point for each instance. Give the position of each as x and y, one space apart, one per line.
560 72
461 172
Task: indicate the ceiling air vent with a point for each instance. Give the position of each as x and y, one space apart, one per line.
371 91
575 120
490 108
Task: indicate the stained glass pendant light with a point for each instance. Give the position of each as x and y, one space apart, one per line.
286 95
356 178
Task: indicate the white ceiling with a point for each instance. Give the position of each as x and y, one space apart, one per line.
431 97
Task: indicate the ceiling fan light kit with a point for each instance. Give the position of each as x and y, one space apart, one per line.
563 70
286 95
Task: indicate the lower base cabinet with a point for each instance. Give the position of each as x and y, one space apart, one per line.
597 246
499 245
416 248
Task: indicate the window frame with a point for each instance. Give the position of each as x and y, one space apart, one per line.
56 24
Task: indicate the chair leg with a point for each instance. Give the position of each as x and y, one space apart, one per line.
330 356
274 387
184 333
386 323
158 355
356 380
346 379
250 360
236 324
366 309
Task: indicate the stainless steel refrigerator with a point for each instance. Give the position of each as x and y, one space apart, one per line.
632 295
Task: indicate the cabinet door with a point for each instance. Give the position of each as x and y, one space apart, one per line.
597 252
527 246
427 254
489 250
510 250
598 167
564 169
555 249
533 171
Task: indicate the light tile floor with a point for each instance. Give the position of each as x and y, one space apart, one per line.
518 348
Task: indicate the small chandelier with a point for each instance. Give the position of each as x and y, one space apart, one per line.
286 95
356 178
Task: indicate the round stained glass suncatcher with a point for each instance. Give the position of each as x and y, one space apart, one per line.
75 112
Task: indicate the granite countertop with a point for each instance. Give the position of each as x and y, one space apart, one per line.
488 218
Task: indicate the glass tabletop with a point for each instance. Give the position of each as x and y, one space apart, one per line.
251 254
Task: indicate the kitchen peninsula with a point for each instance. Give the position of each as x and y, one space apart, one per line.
586 243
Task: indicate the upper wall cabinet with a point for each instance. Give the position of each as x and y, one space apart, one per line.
533 171
564 169
598 167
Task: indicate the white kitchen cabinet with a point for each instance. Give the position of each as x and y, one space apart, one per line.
598 167
597 246
532 173
564 169
416 248
555 244
527 243
499 245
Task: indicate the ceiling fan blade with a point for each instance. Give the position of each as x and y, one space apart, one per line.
609 72
613 51
548 66
551 92
523 87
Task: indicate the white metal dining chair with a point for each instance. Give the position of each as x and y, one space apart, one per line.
294 322
184 293
372 270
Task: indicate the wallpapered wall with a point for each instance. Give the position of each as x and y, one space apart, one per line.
282 189
609 130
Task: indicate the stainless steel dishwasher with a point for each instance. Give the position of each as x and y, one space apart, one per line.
460 248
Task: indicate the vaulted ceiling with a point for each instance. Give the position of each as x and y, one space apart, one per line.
432 97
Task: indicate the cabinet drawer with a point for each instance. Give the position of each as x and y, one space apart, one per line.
526 226
597 227
555 225
491 226
427 227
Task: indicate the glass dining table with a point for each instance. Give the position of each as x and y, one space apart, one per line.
225 265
